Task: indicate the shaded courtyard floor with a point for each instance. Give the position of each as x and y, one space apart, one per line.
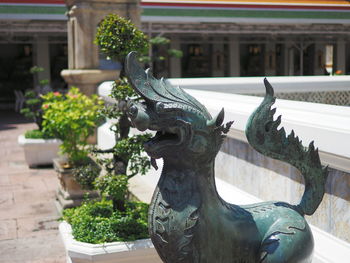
28 216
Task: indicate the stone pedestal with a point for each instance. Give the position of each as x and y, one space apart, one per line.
69 193
83 55
87 80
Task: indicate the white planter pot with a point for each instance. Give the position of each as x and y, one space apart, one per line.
39 151
115 252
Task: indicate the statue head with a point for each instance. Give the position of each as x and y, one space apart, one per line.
184 128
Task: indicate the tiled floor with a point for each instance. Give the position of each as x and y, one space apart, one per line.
28 216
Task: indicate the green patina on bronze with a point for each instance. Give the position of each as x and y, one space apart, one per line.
188 221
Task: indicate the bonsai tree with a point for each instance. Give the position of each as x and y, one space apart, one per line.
117 36
115 218
156 45
72 119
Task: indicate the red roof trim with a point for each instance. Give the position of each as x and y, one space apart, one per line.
204 5
47 2
255 6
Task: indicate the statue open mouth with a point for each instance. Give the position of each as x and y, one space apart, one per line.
165 138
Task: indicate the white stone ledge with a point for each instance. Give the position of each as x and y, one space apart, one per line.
327 125
253 85
250 85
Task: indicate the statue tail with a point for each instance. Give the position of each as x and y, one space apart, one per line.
263 136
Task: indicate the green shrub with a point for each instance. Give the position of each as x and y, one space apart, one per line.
117 37
86 175
116 219
33 110
96 222
37 134
113 186
33 103
72 119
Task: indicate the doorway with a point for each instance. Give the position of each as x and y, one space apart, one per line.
252 60
196 60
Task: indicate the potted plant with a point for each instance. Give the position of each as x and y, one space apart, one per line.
115 228
72 119
40 147
98 230
117 225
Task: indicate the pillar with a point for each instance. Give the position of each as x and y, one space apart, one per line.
291 61
175 63
83 54
234 57
319 68
42 58
341 57
218 58
270 59
286 47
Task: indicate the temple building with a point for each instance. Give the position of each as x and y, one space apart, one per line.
226 38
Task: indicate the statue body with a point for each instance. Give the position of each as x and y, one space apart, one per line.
188 221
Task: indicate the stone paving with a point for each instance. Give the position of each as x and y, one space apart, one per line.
28 216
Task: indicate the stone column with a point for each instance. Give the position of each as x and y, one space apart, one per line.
42 57
175 63
270 59
218 60
234 57
291 61
341 57
286 49
319 68
83 54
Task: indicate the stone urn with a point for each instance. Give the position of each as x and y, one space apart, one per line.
69 193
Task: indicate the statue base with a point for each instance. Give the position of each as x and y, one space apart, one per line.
87 80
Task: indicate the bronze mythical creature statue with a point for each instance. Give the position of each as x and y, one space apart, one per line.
188 221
